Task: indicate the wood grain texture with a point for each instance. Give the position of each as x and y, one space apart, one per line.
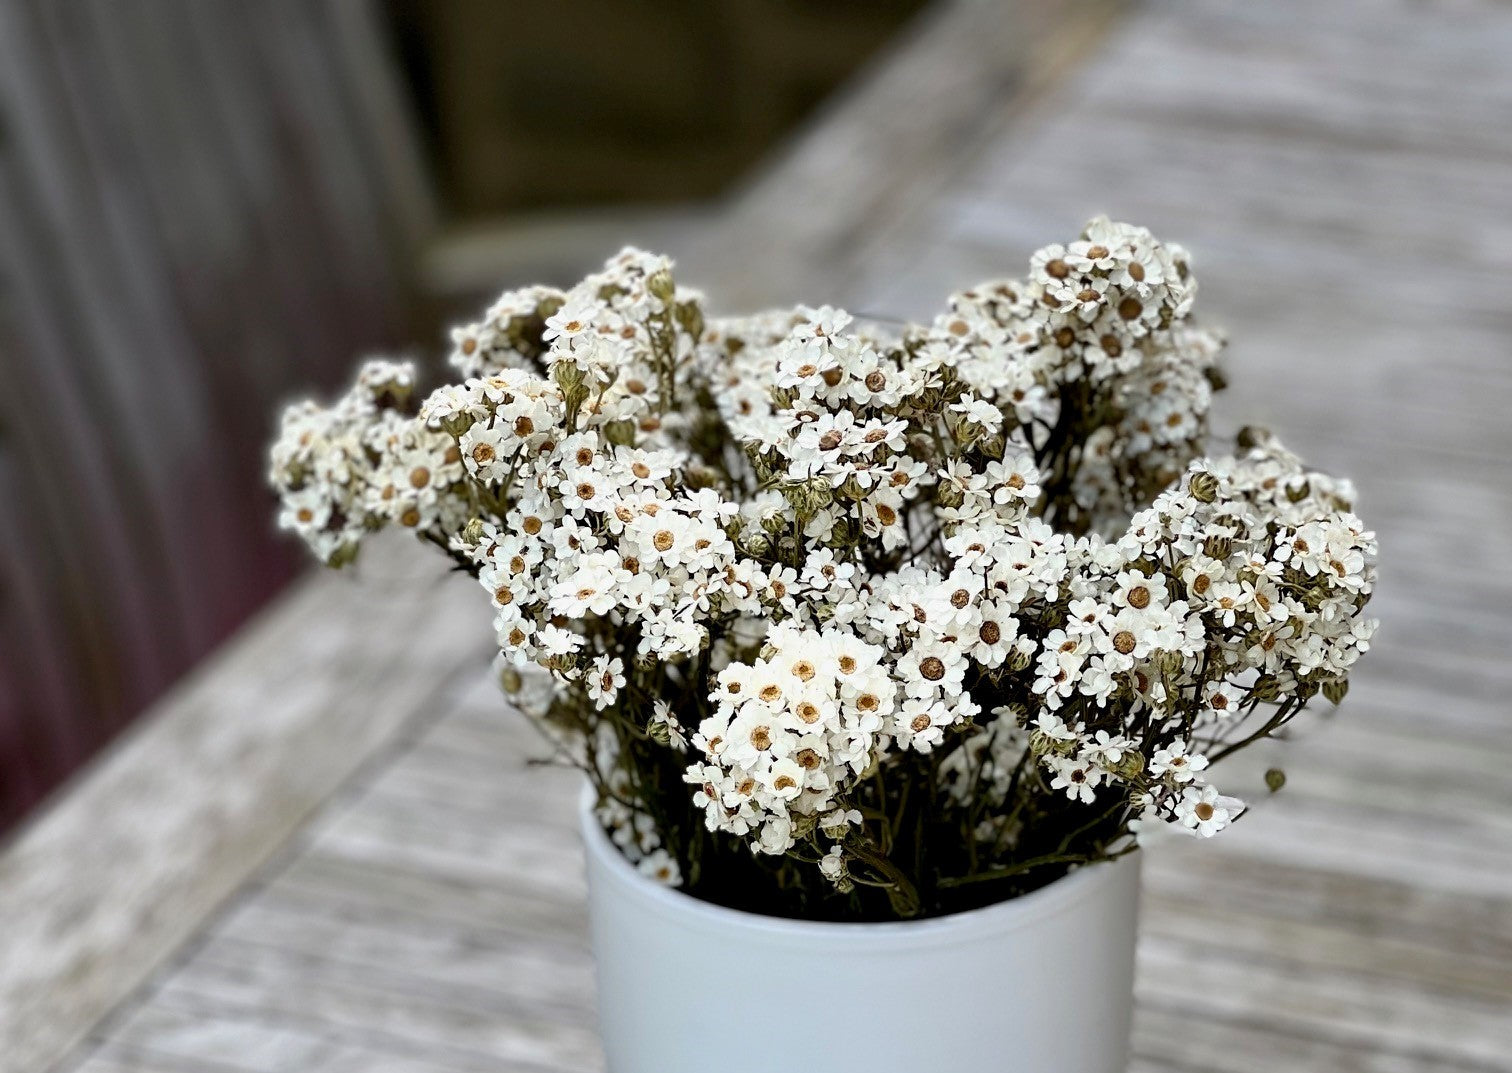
172 820
1343 175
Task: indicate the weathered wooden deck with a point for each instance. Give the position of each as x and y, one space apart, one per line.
388 888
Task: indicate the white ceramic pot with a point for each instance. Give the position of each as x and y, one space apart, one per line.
1039 984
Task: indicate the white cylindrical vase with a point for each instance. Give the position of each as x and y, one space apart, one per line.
1039 984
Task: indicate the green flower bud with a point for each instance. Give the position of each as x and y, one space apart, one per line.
1335 689
1218 547
1267 688
1203 486
1275 778
1253 436
660 284
567 376
1130 765
691 318
851 490
620 433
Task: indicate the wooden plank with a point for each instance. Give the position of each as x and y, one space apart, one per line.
101 889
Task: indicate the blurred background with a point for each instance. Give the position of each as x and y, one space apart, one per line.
208 207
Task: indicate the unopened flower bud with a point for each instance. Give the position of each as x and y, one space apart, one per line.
1253 436
1275 778
510 681
1335 689
1130 765
658 731
568 376
757 543
472 532
1218 547
620 433
1267 688
660 284
1203 486
691 318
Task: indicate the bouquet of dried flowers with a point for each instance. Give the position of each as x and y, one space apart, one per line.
849 622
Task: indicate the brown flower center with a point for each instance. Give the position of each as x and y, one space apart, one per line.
1123 641
932 668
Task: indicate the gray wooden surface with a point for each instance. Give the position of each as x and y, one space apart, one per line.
1343 173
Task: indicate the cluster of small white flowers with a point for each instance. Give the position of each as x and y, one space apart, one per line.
509 335
1104 322
829 437
802 554
1207 596
346 470
789 732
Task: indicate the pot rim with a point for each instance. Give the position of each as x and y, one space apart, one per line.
1059 896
